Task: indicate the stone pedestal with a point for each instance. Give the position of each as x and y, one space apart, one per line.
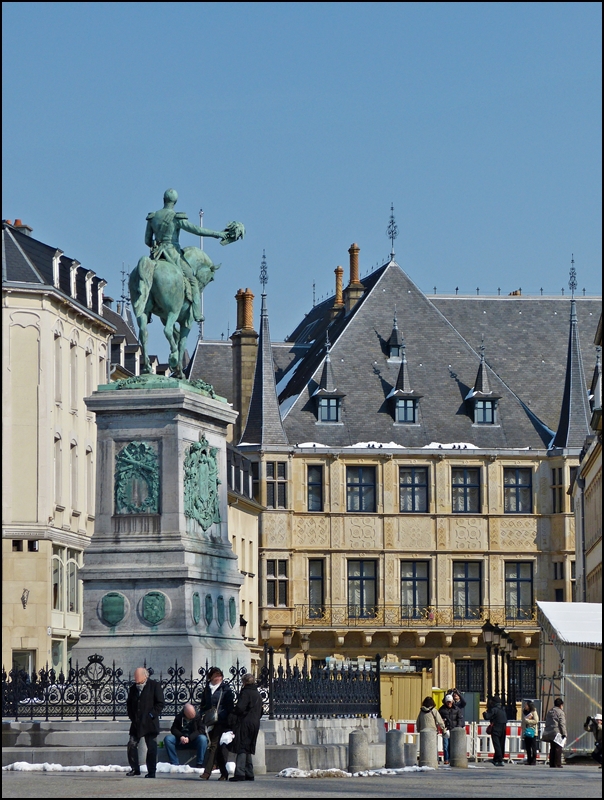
161 583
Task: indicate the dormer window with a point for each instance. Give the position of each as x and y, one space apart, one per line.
329 409
405 410
484 412
395 351
395 342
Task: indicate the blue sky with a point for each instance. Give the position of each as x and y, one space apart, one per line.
481 122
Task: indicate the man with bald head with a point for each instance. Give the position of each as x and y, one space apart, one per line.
144 705
188 732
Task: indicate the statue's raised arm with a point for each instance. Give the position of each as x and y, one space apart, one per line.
168 283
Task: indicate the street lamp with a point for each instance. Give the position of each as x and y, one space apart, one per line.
265 634
497 635
242 626
487 635
509 645
287 640
305 642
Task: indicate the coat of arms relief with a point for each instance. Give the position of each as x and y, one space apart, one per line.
202 501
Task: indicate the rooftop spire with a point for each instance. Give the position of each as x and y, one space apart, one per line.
263 425
392 231
482 384
575 413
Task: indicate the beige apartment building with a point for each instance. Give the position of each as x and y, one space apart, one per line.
55 341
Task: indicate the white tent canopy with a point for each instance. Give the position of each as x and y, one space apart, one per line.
572 623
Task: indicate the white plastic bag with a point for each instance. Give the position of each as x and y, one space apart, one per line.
227 737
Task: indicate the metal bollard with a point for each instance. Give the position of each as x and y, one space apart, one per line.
395 749
411 754
428 751
358 751
458 748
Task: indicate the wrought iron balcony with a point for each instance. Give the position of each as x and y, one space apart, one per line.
403 616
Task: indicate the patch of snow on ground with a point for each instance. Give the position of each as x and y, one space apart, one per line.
162 766
293 772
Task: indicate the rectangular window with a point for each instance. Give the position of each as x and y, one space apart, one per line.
517 491
256 481
414 589
276 484
58 578
316 588
362 589
572 477
413 489
33 546
17 545
558 490
558 570
465 490
329 409
519 590
524 679
484 412
405 410
360 489
276 582
467 589
469 676
315 488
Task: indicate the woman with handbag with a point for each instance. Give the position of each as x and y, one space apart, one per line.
430 719
530 730
216 705
498 719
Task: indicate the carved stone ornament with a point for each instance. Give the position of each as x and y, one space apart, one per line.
202 502
112 608
137 480
220 611
154 607
232 612
209 609
196 608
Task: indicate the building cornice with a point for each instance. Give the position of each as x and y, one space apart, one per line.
14 288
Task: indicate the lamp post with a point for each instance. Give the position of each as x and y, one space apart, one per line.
508 653
242 626
487 636
265 633
514 655
287 640
305 641
496 642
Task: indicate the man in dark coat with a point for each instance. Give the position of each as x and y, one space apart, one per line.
189 732
498 718
144 705
216 695
460 704
246 724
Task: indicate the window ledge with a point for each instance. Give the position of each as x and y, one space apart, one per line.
406 424
320 422
486 425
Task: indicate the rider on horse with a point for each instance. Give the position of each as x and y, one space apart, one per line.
163 229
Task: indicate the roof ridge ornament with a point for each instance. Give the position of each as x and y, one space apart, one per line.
572 278
392 231
263 272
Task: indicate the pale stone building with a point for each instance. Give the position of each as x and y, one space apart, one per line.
413 456
54 353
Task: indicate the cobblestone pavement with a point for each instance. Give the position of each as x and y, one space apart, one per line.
579 780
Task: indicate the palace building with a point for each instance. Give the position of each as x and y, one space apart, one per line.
412 455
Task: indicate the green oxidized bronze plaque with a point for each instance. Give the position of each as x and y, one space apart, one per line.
220 610
196 608
137 480
209 609
202 501
112 608
154 607
232 612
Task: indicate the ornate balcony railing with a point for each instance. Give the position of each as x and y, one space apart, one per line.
404 616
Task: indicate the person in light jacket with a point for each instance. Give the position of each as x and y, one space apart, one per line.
530 732
555 723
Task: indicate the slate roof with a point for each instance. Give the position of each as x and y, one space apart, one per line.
213 362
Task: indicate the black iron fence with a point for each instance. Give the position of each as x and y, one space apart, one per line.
97 691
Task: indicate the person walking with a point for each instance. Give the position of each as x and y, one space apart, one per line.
555 732
216 705
450 715
246 724
187 732
498 719
144 705
530 731
594 725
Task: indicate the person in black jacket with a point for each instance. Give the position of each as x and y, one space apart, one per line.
216 695
451 717
187 731
498 718
460 704
144 705
246 724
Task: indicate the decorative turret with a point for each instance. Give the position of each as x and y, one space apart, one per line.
329 399
575 413
263 425
396 340
481 399
403 399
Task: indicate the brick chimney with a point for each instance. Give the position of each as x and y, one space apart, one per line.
245 348
20 226
339 301
354 290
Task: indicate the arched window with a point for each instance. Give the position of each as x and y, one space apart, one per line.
57 366
89 386
90 481
73 374
73 468
73 584
58 578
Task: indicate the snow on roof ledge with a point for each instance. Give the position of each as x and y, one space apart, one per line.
450 446
572 623
388 445
311 444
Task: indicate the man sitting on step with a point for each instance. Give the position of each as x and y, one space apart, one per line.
187 731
